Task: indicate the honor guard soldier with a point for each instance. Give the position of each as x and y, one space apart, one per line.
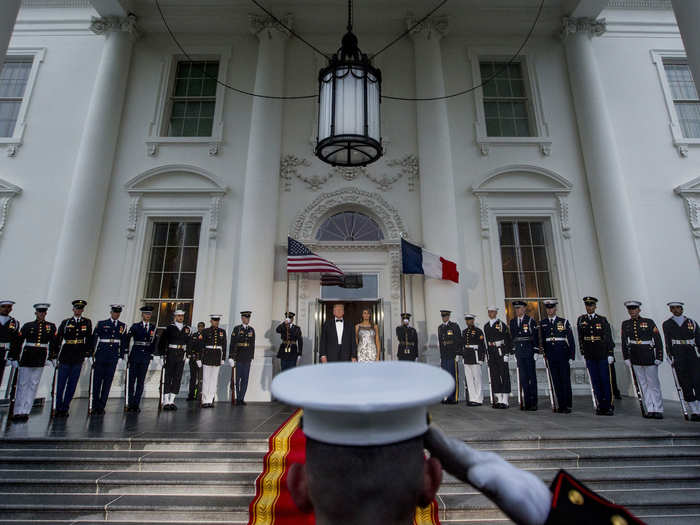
523 330
559 350
109 340
74 341
210 351
498 349
292 343
408 339
143 335
597 347
473 352
173 347
37 340
195 387
643 352
682 337
9 335
449 339
242 350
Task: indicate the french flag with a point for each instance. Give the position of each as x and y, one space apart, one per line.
417 260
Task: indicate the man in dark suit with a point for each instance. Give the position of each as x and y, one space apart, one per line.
338 338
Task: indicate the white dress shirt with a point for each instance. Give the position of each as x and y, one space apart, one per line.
339 329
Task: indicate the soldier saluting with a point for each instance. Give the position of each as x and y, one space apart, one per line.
682 337
210 350
473 352
643 352
449 339
241 352
75 334
9 335
292 343
37 340
498 348
144 336
597 346
408 339
173 346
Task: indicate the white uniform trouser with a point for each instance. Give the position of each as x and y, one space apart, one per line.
210 376
27 383
648 379
472 378
501 398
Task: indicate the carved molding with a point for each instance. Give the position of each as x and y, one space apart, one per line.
434 27
107 24
690 192
13 148
639 4
590 26
406 166
266 26
214 212
484 215
395 258
7 193
134 212
563 205
310 218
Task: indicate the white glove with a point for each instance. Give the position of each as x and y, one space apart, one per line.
571 362
628 362
53 362
536 356
231 362
90 361
505 358
14 363
479 362
199 363
120 363
521 495
611 359
670 360
223 361
657 362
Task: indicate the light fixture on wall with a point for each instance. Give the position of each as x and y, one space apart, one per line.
349 97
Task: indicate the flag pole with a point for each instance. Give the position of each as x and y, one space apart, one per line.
403 292
286 304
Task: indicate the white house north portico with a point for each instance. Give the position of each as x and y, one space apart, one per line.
129 175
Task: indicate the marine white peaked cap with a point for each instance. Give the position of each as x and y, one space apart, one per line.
363 404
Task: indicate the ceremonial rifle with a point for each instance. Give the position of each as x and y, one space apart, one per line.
552 395
684 406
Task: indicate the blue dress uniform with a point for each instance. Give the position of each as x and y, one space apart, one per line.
525 342
143 334
408 340
292 343
9 337
450 341
75 342
597 346
110 343
557 340
241 351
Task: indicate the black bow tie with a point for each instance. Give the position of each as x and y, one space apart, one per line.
338 320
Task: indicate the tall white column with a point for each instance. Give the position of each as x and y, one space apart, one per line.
438 193
688 19
79 239
609 191
255 271
8 16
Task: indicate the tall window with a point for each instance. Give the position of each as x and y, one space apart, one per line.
172 269
505 100
526 270
13 83
193 99
685 96
349 226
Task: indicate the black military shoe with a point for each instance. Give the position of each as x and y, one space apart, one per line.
532 409
658 415
648 415
695 417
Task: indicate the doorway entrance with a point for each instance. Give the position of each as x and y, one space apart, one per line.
353 316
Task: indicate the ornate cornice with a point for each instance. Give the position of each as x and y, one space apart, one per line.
7 193
266 26
640 4
434 27
590 26
108 24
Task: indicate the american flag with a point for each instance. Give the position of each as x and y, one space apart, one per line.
300 260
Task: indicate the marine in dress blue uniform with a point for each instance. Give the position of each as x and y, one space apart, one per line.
559 348
109 340
292 342
143 335
523 330
9 334
241 351
73 343
408 339
450 342
597 346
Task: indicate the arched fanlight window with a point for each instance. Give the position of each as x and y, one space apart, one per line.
349 226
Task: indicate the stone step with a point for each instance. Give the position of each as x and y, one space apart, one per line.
138 444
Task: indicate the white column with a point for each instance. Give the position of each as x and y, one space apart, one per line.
255 271
612 211
8 16
79 239
688 19
438 194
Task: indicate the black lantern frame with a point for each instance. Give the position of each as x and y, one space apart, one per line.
349 98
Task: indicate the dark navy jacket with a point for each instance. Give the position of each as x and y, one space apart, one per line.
524 337
144 342
109 341
557 339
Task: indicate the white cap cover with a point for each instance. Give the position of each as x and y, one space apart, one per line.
179 312
671 303
363 404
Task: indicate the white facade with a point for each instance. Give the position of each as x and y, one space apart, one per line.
607 166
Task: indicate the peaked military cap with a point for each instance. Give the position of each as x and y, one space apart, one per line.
289 314
179 312
79 303
116 307
6 303
519 303
590 300
41 307
443 313
492 308
633 304
405 315
675 303
550 303
469 316
246 313
215 317
146 308
367 404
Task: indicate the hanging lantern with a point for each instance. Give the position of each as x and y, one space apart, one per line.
349 94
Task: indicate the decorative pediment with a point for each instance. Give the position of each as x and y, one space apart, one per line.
690 192
8 192
176 179
521 178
